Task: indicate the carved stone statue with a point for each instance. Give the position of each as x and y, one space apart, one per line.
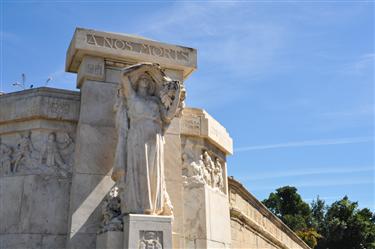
5 159
148 100
111 212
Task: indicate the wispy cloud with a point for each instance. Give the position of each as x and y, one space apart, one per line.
306 172
319 142
362 65
360 111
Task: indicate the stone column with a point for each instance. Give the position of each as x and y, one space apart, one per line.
98 58
205 145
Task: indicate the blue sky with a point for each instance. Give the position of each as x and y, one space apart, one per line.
292 81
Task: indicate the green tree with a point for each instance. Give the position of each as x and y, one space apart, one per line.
318 210
310 236
288 205
347 227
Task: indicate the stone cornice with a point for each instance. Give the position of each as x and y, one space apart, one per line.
40 103
197 122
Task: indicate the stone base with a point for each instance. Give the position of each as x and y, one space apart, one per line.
147 231
110 240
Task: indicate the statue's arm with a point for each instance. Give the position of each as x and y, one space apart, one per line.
126 86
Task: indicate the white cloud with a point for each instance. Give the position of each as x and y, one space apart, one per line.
303 171
319 142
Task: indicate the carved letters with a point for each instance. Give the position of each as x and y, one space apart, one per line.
95 69
119 44
54 157
59 108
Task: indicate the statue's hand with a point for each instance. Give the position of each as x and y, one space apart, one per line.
118 175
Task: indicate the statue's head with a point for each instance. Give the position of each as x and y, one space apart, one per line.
205 154
51 137
145 85
149 235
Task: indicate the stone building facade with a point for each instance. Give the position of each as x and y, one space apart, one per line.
56 159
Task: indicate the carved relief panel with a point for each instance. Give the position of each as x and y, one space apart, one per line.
202 166
48 153
151 240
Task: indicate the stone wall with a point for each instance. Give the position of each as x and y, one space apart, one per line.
253 226
37 132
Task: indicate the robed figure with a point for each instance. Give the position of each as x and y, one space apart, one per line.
147 101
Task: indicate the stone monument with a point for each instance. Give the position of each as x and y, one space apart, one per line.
123 163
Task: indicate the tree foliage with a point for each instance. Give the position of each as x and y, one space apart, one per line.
341 225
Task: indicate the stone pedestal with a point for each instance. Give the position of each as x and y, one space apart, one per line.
110 240
147 231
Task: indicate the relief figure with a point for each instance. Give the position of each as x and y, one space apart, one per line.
51 154
5 159
23 153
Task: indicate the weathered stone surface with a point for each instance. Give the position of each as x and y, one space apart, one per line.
53 241
97 101
110 240
45 205
205 210
173 179
11 192
82 241
20 241
128 49
95 149
87 194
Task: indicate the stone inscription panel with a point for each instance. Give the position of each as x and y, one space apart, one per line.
122 44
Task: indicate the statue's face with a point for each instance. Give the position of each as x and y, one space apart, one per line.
143 86
150 236
51 137
205 154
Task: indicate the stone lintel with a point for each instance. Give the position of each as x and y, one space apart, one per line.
197 122
129 50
